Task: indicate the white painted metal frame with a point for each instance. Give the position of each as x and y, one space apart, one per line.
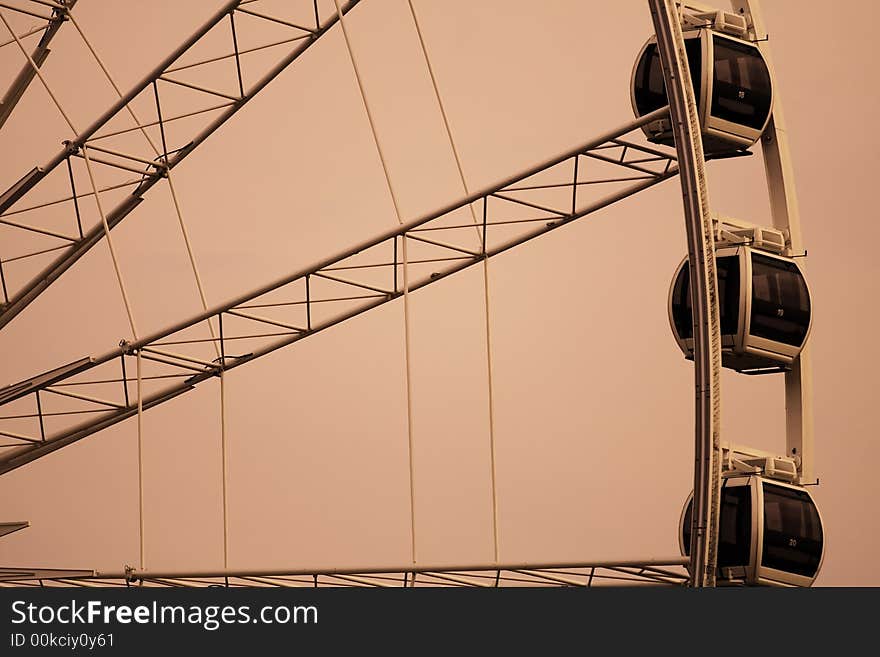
711 126
701 249
743 342
656 572
786 217
707 361
756 573
338 288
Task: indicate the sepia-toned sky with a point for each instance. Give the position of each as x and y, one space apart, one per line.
593 401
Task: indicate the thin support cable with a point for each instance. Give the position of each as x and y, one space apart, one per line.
112 82
376 141
140 442
445 117
110 243
406 318
192 260
486 305
224 468
409 408
91 179
139 125
491 401
199 285
39 73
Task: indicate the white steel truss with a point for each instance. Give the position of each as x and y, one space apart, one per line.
40 413
353 282
655 572
129 164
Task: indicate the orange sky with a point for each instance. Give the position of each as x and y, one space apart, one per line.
593 401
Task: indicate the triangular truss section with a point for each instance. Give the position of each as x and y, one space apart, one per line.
48 218
658 572
57 408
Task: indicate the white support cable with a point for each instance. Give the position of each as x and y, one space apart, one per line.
224 468
491 401
139 125
409 409
140 396
192 260
406 319
91 179
128 309
202 297
140 444
122 289
39 73
445 117
489 382
112 81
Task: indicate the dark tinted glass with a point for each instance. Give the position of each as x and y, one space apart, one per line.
682 314
792 532
734 530
728 298
741 84
650 90
780 301
686 527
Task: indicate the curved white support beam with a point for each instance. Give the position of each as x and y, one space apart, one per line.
704 292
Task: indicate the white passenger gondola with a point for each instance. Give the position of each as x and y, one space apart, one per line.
770 533
764 308
731 80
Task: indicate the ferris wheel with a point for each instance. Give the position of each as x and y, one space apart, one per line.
700 90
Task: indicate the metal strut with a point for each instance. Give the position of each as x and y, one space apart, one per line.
656 572
150 169
39 55
312 299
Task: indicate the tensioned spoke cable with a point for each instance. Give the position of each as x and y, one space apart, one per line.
140 395
195 269
224 467
406 320
444 117
128 310
486 305
192 259
140 444
122 289
112 82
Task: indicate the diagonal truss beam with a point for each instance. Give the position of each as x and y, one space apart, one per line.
39 55
150 167
657 572
317 297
